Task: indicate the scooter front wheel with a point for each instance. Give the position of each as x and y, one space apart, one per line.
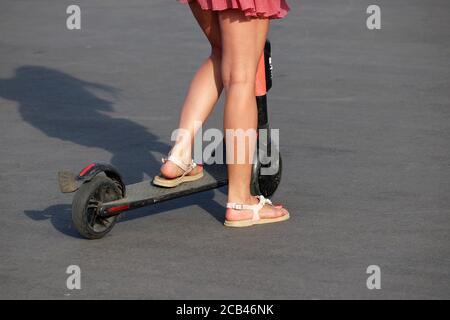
266 183
86 204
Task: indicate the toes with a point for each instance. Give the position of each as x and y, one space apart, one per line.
280 211
199 168
284 211
275 211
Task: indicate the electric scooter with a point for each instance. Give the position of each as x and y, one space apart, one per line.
101 194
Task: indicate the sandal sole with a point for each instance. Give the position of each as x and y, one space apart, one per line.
171 183
249 223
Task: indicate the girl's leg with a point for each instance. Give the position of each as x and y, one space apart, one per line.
242 46
204 91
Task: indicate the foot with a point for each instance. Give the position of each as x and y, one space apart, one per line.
170 170
268 211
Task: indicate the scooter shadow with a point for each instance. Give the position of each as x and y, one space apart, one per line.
60 214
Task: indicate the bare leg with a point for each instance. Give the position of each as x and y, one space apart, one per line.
204 91
242 46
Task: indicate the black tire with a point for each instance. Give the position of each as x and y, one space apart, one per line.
266 184
85 207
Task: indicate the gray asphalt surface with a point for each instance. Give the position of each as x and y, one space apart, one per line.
365 137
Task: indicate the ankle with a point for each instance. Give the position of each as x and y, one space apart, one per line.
241 199
181 151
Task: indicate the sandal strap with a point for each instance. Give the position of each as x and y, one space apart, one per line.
254 207
180 163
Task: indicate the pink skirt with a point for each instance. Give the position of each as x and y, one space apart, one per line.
272 9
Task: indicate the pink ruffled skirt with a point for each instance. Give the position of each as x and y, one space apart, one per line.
272 9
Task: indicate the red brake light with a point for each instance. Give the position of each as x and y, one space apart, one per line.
85 170
118 208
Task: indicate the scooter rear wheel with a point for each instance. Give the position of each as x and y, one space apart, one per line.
86 204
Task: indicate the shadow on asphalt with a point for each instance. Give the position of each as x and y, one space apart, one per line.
67 108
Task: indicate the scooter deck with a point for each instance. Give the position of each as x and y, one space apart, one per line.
145 193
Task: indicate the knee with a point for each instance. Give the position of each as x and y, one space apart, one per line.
238 77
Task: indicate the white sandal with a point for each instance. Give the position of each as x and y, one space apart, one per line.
187 168
256 219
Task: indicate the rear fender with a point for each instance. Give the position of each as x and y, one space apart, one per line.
70 182
93 169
